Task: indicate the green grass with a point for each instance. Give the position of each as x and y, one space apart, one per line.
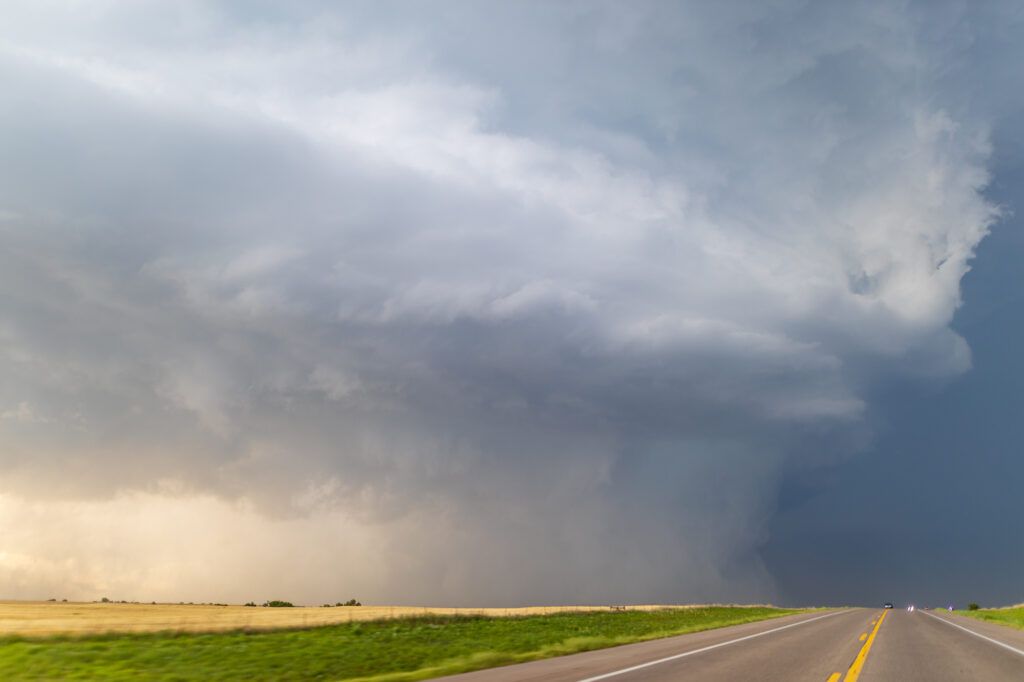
383 651
1012 616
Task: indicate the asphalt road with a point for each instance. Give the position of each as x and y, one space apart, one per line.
849 645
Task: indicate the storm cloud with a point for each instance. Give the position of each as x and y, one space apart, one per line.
462 303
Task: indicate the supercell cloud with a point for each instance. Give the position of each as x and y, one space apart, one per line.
467 303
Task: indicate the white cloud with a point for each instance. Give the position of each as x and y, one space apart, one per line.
22 413
333 382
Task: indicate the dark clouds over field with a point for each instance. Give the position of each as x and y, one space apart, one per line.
477 303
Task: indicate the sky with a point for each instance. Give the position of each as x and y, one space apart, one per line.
480 303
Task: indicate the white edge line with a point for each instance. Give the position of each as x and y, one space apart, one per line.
707 648
976 634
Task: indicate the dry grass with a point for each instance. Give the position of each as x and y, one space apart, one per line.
48 618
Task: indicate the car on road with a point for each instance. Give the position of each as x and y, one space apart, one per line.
887 605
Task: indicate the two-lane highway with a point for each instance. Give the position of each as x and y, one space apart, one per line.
849 645
939 646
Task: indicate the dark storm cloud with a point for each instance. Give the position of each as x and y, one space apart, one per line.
937 444
566 287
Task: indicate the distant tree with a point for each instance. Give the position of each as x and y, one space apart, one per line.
973 607
351 602
250 604
105 600
278 602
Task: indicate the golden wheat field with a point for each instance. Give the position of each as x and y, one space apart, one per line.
47 618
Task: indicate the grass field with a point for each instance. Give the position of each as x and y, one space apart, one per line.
1010 615
409 648
49 618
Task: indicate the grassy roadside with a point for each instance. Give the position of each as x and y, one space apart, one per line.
1012 616
394 650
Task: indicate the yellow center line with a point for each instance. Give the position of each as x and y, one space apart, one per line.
854 672
863 636
834 677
